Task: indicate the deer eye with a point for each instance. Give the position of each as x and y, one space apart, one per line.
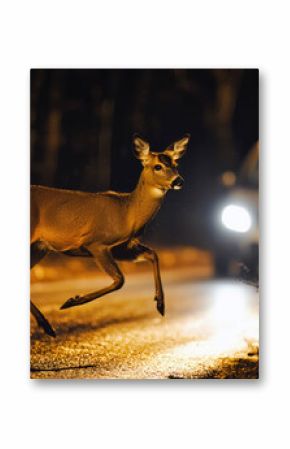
157 167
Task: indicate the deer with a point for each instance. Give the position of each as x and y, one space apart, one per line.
106 226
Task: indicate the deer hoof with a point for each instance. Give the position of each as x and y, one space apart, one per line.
48 329
71 302
160 306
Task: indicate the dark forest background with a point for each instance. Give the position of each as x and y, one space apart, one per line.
82 122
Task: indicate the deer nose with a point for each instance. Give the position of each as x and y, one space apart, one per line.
177 183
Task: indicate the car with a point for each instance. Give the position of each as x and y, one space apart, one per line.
236 248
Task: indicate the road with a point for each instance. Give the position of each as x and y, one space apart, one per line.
210 330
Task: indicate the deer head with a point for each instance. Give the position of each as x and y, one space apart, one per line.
160 168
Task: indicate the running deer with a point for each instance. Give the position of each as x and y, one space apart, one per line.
106 225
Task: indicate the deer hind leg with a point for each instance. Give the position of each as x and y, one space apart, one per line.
135 251
36 254
106 263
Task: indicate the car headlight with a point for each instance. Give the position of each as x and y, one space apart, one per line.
236 218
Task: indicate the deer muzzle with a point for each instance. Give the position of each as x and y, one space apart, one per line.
177 183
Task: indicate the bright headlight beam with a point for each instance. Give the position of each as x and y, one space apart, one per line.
236 218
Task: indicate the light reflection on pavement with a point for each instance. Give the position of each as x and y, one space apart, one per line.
210 330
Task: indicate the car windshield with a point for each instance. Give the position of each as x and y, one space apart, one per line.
249 172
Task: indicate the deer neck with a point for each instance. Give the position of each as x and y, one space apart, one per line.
145 201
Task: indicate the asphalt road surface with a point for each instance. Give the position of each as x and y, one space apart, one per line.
210 330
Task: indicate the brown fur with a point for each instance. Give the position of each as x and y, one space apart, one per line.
67 220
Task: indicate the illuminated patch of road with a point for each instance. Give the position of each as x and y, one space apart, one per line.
210 330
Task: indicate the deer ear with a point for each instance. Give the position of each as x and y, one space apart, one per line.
178 148
141 148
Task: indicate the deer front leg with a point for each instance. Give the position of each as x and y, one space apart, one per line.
106 263
150 255
135 251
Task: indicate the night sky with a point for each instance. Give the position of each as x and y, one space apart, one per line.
82 122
